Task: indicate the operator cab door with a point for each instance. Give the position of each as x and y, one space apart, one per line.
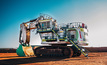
72 34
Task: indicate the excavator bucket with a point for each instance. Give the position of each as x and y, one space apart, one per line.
25 51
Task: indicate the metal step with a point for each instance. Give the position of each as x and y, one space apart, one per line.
81 49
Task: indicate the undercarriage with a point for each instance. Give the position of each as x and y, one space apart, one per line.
65 51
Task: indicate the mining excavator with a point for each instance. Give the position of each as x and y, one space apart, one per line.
61 40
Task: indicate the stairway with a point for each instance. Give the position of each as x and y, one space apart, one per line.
81 49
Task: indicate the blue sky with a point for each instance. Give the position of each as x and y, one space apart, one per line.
91 12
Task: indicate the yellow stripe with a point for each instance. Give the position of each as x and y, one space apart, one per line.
43 40
54 32
50 39
61 39
40 30
44 20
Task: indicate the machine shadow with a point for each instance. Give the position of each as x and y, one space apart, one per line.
30 60
9 57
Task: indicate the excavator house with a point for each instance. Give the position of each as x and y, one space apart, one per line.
61 39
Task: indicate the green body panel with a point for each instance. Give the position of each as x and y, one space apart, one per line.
76 35
20 51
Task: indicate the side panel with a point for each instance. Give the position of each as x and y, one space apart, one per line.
82 37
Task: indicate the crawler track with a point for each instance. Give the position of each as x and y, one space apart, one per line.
53 51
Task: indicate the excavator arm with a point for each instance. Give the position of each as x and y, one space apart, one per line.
25 28
24 48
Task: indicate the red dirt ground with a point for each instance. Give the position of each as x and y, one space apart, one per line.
95 58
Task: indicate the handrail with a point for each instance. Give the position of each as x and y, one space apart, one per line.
75 25
86 55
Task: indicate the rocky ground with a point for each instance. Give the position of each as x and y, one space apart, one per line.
95 58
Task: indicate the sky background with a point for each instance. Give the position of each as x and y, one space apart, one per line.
91 12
